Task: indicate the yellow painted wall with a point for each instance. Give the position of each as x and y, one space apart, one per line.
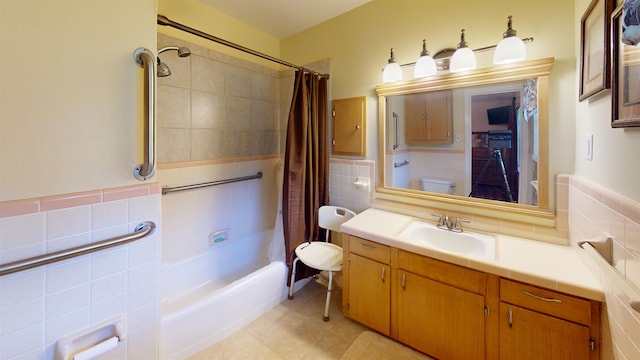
615 162
70 113
196 15
358 44
70 95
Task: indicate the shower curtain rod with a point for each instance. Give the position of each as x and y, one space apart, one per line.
163 20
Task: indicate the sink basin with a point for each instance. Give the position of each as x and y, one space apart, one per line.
466 243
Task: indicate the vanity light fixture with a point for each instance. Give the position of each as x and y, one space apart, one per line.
392 71
464 58
511 48
425 66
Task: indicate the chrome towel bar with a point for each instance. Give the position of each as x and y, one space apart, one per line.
166 190
146 59
614 276
142 230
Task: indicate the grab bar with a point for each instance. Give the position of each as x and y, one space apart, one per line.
146 59
142 230
395 131
404 163
616 278
166 190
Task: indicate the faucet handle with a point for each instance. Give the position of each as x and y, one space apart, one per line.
457 227
441 220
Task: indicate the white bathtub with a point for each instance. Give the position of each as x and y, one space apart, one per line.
208 297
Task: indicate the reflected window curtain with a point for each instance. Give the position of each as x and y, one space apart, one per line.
306 165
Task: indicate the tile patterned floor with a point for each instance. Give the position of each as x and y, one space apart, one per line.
294 330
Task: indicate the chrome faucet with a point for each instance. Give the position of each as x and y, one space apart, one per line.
445 223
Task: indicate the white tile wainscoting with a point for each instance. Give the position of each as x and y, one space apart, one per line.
41 305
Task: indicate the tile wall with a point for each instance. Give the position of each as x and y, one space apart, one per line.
596 212
343 191
244 208
215 106
219 117
41 305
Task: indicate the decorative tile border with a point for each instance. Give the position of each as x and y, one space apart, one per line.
192 163
623 205
63 201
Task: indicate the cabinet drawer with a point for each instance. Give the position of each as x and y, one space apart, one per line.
454 275
369 249
546 301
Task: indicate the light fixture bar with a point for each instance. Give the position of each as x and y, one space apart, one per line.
486 48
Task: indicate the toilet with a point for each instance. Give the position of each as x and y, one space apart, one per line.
442 186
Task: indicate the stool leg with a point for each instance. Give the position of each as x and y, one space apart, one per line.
293 278
326 306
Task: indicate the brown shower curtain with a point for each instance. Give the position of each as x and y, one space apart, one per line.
306 165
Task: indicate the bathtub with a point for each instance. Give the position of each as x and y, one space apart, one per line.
208 297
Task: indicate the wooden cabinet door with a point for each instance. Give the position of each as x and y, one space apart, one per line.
349 126
438 116
370 293
415 126
526 334
428 118
440 320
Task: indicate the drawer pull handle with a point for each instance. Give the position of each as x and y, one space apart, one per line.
404 279
382 274
367 246
541 298
510 317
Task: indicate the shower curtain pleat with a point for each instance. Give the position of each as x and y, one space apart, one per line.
306 165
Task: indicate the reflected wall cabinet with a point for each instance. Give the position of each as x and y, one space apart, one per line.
349 136
428 118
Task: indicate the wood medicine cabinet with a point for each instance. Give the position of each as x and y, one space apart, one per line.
349 127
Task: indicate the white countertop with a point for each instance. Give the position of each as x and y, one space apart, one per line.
552 266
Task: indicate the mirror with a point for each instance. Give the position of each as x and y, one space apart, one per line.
468 140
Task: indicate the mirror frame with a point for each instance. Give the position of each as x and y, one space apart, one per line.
539 215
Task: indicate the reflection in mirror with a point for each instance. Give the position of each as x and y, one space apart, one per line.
464 141
477 141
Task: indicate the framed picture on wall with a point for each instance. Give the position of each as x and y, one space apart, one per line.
625 64
595 48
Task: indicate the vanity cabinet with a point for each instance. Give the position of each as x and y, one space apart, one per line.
440 308
368 300
428 118
453 312
537 323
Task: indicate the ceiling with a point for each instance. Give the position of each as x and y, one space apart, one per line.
282 18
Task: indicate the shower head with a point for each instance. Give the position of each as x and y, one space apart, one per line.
182 51
163 69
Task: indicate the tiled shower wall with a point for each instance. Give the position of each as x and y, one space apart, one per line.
219 117
242 208
41 305
215 106
594 213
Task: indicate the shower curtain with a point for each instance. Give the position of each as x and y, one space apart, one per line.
306 165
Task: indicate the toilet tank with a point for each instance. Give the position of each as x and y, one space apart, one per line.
442 186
